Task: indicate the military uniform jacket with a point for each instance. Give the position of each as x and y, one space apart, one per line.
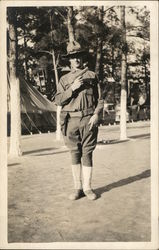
86 97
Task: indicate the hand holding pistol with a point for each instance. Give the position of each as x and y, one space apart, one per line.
78 80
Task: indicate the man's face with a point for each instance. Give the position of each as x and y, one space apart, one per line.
76 62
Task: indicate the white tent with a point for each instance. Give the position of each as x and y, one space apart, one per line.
38 114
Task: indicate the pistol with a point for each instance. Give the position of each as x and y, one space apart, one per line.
79 74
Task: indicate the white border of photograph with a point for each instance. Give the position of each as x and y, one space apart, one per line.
153 6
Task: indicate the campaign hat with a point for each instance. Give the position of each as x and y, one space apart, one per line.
74 49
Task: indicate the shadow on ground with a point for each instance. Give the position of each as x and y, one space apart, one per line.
13 164
122 182
106 142
144 136
52 153
38 150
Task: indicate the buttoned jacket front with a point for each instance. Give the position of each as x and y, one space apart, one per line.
86 97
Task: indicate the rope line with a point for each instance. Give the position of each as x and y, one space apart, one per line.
23 124
31 121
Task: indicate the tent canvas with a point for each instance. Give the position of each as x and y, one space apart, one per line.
38 114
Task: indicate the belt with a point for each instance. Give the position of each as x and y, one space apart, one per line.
81 113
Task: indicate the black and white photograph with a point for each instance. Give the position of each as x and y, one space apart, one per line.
79 125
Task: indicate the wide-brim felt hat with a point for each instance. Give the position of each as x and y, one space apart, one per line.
74 49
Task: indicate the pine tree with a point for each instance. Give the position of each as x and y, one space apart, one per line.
123 104
15 145
99 53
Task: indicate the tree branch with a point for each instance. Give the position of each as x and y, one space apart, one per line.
109 8
61 15
139 26
146 39
45 51
57 60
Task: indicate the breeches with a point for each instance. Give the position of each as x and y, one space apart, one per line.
80 141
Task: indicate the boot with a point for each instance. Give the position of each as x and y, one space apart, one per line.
77 192
87 177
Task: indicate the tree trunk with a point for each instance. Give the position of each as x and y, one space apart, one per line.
15 147
25 59
99 58
98 67
123 100
55 68
113 70
58 111
69 24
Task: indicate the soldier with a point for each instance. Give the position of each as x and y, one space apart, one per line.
79 95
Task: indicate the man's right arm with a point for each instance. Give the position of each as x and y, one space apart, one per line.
63 96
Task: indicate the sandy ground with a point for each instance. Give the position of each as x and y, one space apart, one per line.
40 181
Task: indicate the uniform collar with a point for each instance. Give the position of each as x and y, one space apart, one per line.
73 71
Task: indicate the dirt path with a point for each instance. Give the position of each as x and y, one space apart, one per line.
40 181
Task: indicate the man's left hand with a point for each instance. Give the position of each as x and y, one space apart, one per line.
93 121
